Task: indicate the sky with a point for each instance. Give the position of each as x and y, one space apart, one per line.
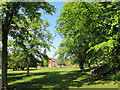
52 20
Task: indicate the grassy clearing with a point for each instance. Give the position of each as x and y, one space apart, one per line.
67 77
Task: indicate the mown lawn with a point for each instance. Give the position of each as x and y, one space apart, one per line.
67 77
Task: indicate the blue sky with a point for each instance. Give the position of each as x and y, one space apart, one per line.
52 20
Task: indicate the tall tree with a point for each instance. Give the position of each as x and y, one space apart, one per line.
18 11
107 33
90 26
74 29
31 42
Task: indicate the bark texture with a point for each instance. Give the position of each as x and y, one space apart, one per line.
4 59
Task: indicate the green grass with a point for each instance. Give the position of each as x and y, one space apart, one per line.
67 77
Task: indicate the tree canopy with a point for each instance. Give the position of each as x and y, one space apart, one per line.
22 21
90 32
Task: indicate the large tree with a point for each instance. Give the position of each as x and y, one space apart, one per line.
73 26
18 11
107 33
86 26
32 42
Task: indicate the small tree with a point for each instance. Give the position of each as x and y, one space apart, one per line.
45 63
61 62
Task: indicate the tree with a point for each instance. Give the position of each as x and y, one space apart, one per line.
45 63
109 43
45 60
86 26
73 27
32 42
61 62
18 11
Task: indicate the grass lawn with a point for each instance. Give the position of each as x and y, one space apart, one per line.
67 77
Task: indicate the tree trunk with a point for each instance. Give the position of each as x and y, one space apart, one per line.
81 67
5 31
88 64
4 58
28 68
42 63
22 68
81 62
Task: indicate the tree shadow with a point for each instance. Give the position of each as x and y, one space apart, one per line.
10 79
92 80
14 74
17 77
56 80
50 80
47 73
31 69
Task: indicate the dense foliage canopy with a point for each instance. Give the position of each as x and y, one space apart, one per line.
91 32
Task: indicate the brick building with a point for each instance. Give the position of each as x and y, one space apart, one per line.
53 63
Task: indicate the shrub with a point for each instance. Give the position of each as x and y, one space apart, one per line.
114 77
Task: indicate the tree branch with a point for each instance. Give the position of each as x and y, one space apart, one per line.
12 13
86 6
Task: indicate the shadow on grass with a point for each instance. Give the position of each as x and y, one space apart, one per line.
14 74
31 69
55 80
50 80
20 76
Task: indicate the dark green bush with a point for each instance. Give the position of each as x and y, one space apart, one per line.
113 77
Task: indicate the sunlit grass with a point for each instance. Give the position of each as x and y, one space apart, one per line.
67 77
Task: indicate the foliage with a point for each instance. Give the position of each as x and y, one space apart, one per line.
21 20
90 32
45 63
72 26
16 60
32 42
113 77
61 62
110 30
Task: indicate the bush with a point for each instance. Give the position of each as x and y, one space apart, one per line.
45 63
114 77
